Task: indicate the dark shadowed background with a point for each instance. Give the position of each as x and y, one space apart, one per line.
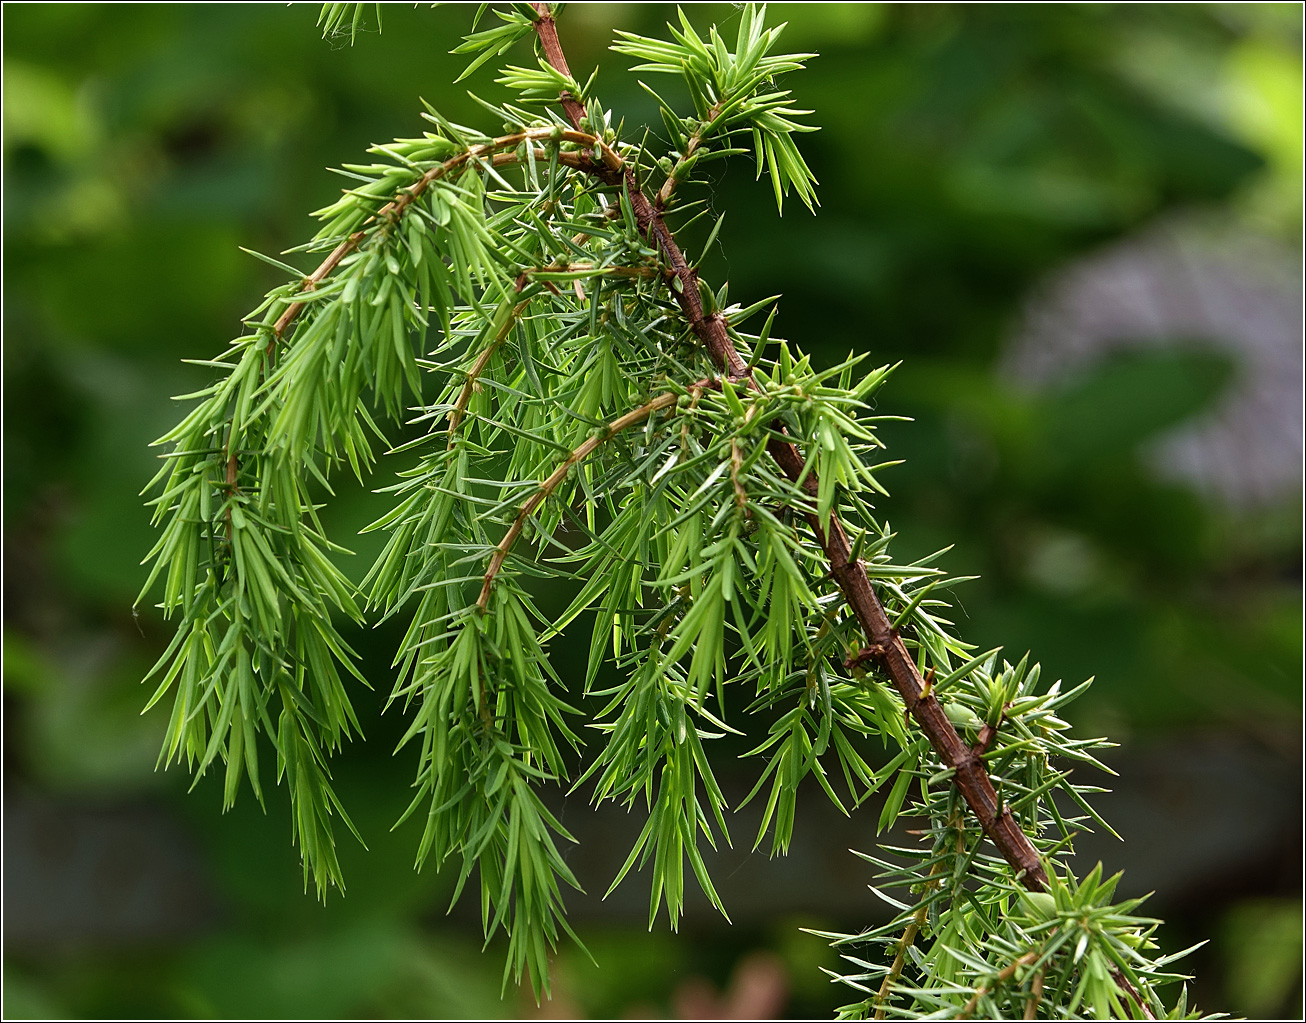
1077 226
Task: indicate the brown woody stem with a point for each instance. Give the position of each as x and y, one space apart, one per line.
912 929
549 485
1132 992
1006 973
691 147
1035 996
547 30
970 777
478 367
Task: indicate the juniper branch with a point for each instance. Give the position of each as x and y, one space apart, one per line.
697 530
886 646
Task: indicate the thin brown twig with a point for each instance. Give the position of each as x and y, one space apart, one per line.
1132 992
691 147
736 467
589 269
1035 995
1004 975
478 367
918 921
970 775
547 31
549 485
899 960
904 943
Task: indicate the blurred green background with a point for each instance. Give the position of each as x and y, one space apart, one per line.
1077 225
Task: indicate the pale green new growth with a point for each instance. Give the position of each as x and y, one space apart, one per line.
577 429
733 94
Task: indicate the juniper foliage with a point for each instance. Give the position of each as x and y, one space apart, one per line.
594 413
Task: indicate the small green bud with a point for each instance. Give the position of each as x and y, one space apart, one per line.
962 716
1042 905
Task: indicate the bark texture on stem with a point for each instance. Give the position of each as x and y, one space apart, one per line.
886 647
